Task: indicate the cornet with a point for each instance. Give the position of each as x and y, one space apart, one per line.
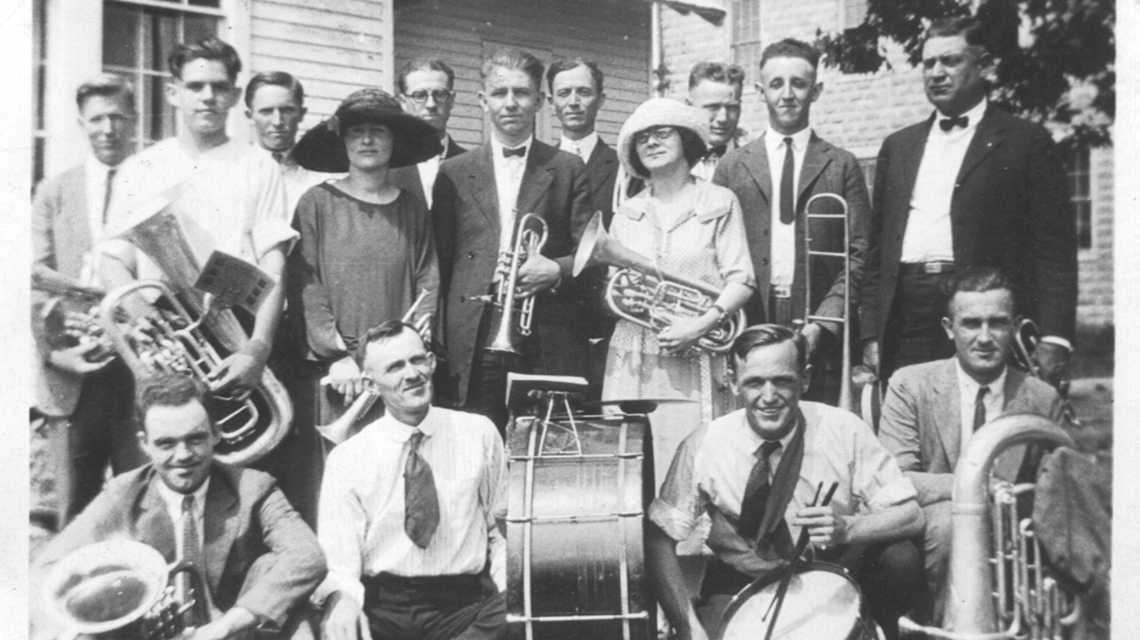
530 237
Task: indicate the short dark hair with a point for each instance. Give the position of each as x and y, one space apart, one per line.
566 64
717 72
512 58
385 330
107 85
762 335
691 146
169 390
424 64
210 48
791 48
274 79
967 27
977 280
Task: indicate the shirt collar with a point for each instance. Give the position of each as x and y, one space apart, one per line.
969 386
397 431
173 499
497 147
974 115
95 167
586 144
774 140
756 440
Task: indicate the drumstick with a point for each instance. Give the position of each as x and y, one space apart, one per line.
801 544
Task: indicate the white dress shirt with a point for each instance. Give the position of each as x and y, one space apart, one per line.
361 516
95 177
928 232
784 235
968 395
705 167
429 169
508 179
298 179
173 501
583 148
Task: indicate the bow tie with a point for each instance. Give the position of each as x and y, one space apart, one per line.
517 152
950 123
716 152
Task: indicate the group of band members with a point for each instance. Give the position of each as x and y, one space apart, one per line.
968 230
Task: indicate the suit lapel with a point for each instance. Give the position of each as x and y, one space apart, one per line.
483 184
910 157
758 167
536 177
948 419
986 138
153 522
816 158
219 524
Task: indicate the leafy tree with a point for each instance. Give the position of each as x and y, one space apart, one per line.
1054 58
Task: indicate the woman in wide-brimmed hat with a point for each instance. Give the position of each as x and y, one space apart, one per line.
366 249
688 226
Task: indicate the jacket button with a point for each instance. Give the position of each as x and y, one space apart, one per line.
765 233
463 298
471 255
764 261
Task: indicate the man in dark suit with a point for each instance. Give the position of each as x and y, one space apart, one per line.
932 409
259 559
427 91
970 186
577 94
774 176
83 398
478 201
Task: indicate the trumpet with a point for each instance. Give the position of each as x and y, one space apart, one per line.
530 237
71 315
648 296
342 428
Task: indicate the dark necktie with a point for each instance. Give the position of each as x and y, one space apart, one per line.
279 157
517 152
756 491
716 153
788 185
107 193
421 504
950 123
191 549
980 408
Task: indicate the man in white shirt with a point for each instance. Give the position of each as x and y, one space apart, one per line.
970 186
773 177
258 559
755 472
228 197
427 91
716 87
275 103
932 409
412 509
83 395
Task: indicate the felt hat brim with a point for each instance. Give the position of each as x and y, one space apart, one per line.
322 147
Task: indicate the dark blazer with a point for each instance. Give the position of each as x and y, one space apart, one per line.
465 214
921 421
826 169
259 554
408 178
61 235
1010 210
601 170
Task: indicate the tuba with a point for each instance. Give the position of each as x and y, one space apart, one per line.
645 295
120 590
159 328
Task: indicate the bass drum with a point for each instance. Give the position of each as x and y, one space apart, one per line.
575 536
823 602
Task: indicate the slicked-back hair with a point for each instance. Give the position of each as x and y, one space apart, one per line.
564 64
762 335
385 330
169 390
692 147
791 48
977 280
424 64
210 48
107 85
717 72
275 79
969 28
515 59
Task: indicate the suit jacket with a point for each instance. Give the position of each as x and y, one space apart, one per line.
921 421
408 178
465 215
259 554
601 171
826 169
61 235
1010 210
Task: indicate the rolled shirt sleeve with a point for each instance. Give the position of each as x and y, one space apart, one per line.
680 503
878 481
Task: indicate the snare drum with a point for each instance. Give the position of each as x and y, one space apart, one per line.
575 540
823 602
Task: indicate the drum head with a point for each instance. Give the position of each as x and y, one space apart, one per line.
822 603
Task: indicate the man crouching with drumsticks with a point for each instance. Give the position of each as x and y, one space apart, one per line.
755 472
411 511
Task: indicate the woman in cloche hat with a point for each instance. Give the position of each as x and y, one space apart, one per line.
366 249
684 225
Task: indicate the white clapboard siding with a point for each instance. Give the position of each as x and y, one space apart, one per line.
613 33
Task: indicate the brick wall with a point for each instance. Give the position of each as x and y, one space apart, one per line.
1095 301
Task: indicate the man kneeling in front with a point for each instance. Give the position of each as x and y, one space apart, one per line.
755 472
411 511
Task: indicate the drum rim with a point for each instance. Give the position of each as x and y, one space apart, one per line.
760 583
